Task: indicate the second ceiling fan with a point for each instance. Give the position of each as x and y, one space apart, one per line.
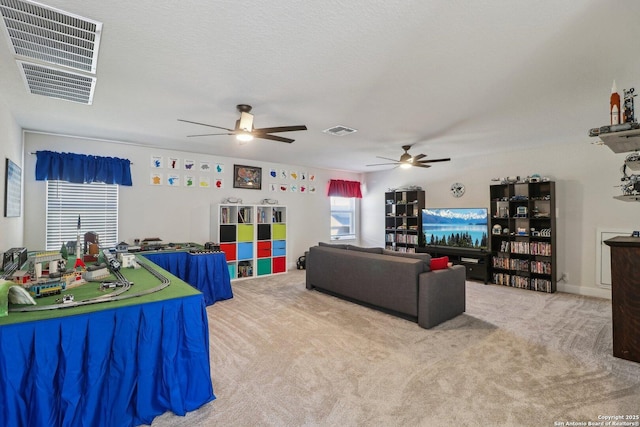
245 131
407 160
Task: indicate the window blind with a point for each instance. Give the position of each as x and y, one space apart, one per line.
96 204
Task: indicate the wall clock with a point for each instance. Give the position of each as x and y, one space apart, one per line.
457 189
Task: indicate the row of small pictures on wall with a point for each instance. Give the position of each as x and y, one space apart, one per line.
174 163
174 180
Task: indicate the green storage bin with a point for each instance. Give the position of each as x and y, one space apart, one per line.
279 232
245 232
264 266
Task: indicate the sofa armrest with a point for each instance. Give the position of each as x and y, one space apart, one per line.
441 295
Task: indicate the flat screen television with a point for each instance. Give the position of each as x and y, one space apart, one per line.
458 227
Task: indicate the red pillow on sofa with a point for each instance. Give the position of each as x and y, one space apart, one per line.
439 263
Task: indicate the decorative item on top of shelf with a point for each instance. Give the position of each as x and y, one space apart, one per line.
619 123
533 178
496 229
405 188
628 112
269 202
614 105
632 161
233 200
507 179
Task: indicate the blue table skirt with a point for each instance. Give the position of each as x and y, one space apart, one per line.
115 367
208 273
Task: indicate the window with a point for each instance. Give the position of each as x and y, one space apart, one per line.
343 213
96 204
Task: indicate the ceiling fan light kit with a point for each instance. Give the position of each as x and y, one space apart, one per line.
406 160
244 137
244 130
246 122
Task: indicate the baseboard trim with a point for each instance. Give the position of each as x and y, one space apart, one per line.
583 290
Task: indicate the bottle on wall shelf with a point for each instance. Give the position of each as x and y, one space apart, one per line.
614 105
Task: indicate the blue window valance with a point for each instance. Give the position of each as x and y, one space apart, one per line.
82 168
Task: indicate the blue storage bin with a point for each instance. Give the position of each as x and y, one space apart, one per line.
279 248
245 250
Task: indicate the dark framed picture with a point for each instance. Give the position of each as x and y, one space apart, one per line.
247 177
12 189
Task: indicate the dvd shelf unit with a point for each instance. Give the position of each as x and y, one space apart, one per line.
523 235
253 238
402 219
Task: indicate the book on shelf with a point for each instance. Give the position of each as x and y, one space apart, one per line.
224 215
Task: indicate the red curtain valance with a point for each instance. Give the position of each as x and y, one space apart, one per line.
341 188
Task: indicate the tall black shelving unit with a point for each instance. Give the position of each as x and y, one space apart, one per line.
523 235
403 225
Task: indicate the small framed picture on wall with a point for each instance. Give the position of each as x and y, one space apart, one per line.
249 177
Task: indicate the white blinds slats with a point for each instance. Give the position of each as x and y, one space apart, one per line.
96 204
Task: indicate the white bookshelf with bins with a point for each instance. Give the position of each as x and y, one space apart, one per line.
253 238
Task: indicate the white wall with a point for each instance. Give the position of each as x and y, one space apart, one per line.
11 229
181 214
586 177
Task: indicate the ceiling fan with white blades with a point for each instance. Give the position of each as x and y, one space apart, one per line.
407 160
244 130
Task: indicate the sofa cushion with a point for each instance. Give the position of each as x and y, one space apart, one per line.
426 258
333 245
440 263
361 249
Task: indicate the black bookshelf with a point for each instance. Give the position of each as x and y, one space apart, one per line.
403 219
523 235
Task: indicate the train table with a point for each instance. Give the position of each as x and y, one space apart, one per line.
115 363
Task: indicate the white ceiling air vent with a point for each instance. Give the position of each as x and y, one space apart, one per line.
55 83
339 130
50 35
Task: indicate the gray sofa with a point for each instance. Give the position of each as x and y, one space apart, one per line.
402 284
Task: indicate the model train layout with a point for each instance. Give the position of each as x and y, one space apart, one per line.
56 280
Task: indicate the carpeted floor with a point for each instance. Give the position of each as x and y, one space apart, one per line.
282 355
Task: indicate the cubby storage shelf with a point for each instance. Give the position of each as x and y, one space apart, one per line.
523 235
402 219
253 238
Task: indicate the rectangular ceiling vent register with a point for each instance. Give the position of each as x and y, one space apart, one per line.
50 35
55 83
339 130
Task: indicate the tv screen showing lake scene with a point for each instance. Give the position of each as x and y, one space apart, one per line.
460 227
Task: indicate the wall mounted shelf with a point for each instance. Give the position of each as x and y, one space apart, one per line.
622 142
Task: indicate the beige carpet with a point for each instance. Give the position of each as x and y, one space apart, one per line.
282 355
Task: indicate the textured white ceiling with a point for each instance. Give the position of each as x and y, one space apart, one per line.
456 78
